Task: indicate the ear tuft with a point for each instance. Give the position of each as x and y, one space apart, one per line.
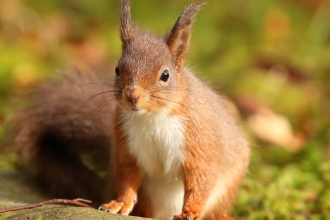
127 28
178 39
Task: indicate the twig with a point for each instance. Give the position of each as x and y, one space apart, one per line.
77 202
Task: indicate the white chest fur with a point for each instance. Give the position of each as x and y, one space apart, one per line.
157 141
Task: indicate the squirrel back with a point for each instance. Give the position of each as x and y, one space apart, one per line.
65 135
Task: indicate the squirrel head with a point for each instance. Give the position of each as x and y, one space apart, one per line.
149 72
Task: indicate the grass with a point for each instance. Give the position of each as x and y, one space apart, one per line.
270 57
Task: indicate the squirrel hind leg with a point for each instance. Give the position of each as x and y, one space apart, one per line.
219 208
143 207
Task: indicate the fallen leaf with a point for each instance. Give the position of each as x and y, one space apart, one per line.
274 128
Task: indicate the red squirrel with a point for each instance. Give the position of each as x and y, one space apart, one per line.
175 149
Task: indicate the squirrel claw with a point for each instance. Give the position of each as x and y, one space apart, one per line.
186 216
101 208
115 207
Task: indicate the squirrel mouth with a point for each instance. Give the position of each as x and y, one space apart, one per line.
135 109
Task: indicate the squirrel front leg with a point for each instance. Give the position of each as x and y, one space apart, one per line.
128 179
127 185
198 186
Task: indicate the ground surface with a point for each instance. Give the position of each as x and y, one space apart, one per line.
17 190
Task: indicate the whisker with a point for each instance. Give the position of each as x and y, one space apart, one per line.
101 93
185 106
171 101
106 103
156 101
104 98
172 89
99 83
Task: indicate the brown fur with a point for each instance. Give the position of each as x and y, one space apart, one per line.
214 149
59 129
213 143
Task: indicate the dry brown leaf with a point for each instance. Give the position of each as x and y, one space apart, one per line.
274 128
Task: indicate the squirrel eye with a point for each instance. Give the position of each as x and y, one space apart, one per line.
117 71
165 75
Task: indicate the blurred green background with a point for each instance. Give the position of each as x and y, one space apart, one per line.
271 57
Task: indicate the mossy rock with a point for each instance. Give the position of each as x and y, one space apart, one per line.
18 190
51 212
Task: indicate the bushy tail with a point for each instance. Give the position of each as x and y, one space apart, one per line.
64 137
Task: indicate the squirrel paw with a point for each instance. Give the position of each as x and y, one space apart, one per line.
186 216
115 207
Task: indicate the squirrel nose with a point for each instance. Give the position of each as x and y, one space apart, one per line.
132 94
133 98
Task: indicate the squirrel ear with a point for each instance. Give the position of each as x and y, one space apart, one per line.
178 39
127 28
